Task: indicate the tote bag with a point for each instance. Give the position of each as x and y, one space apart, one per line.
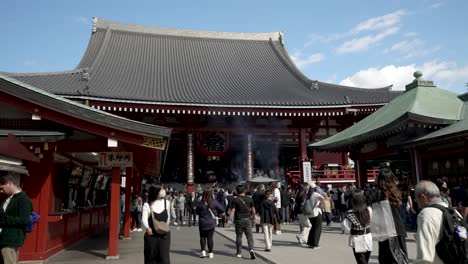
382 225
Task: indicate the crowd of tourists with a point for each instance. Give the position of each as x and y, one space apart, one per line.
376 212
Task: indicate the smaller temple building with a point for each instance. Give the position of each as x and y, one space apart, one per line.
423 132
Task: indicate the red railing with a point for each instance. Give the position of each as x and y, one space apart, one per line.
330 176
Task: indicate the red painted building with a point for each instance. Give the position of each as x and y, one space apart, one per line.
236 102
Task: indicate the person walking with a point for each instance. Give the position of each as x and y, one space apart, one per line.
242 211
284 205
257 198
157 246
14 217
357 224
192 202
304 223
392 250
208 211
268 217
275 190
430 223
136 208
180 208
327 206
315 218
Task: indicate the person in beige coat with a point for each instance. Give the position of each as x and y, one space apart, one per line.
327 206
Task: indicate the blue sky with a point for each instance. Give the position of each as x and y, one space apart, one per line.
369 43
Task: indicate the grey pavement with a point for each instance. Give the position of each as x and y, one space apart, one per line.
185 248
333 246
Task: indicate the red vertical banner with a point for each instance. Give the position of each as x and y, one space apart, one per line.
113 251
190 162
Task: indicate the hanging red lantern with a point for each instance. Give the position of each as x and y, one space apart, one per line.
213 143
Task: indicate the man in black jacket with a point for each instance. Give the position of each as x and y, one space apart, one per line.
14 217
192 202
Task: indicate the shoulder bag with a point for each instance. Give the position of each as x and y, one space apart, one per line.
159 226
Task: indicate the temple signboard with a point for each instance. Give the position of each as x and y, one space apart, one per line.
115 159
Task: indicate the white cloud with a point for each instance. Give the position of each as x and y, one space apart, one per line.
411 48
379 23
373 24
375 77
436 5
302 61
405 46
411 34
363 43
83 20
441 72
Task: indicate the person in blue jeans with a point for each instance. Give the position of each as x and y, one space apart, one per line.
243 211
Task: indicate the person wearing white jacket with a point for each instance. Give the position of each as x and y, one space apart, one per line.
429 220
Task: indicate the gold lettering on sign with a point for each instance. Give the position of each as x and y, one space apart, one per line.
156 143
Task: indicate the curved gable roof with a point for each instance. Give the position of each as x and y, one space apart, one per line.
422 104
132 63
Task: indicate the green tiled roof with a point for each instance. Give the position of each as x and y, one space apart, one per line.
459 128
426 104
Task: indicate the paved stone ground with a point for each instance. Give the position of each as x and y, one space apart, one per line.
185 248
333 246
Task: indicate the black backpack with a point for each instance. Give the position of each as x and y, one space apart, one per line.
453 246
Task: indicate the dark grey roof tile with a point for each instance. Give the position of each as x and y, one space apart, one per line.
147 64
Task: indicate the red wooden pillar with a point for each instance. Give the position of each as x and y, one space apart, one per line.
112 252
303 149
276 146
416 166
303 143
128 197
361 173
136 181
38 186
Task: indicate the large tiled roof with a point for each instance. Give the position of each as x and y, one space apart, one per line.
131 63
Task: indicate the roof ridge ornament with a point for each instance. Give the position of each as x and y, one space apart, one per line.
419 82
95 21
314 85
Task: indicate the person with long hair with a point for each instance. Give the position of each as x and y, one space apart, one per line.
304 223
208 210
392 250
357 223
157 246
